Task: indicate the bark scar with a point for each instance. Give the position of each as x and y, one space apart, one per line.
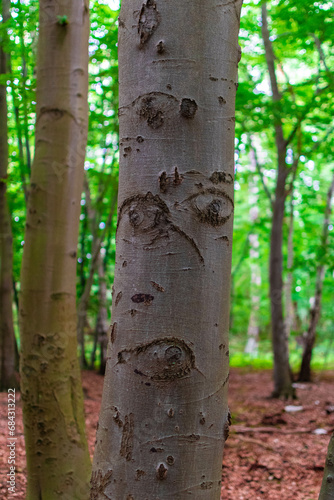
98 483
149 19
127 437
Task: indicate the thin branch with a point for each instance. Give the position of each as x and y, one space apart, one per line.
243 254
259 169
321 53
307 108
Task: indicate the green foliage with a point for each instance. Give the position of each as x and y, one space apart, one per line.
301 33
305 77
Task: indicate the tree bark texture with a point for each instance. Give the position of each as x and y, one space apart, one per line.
309 339
327 487
57 454
289 310
282 375
164 415
7 338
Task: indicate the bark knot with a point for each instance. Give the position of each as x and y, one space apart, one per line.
145 298
162 472
188 108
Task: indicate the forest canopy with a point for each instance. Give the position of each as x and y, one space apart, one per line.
301 34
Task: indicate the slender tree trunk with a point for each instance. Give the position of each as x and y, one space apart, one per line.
84 302
253 325
57 454
164 415
23 175
289 309
7 337
82 244
102 325
309 340
327 487
96 247
282 374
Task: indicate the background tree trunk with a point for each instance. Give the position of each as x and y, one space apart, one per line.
282 375
289 309
164 414
252 345
7 337
327 487
57 454
309 339
102 325
98 237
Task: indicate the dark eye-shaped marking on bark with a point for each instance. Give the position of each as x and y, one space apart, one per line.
154 107
150 219
149 20
211 206
161 360
144 211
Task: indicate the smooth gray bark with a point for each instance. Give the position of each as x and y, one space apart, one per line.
164 415
58 462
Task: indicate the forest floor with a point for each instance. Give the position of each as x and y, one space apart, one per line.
271 454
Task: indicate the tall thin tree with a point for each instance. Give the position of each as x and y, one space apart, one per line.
7 338
282 375
57 454
164 415
309 339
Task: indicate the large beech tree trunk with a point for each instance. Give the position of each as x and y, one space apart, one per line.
282 374
309 340
7 338
164 415
57 455
327 487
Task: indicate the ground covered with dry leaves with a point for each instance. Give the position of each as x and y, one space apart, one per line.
271 454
